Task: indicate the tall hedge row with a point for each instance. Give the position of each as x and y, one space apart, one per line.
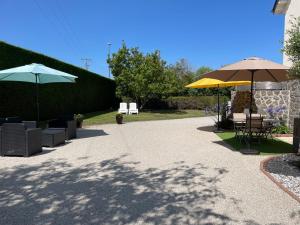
186 102
91 92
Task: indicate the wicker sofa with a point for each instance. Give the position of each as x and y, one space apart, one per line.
28 124
18 140
68 123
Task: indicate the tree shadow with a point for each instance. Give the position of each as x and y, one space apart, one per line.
88 133
111 192
171 111
295 216
264 146
98 113
206 128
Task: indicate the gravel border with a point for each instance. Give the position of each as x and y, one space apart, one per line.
286 176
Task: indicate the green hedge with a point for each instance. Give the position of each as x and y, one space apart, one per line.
194 102
91 92
186 102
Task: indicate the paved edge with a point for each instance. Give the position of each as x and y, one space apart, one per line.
263 165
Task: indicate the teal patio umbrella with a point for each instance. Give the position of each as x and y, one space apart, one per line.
38 74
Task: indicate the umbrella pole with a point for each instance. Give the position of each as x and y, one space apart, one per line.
249 150
250 107
218 127
218 130
37 98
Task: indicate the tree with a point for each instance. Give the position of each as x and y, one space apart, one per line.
202 70
182 76
292 47
138 77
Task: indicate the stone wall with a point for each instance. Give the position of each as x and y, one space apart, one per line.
263 99
294 87
290 98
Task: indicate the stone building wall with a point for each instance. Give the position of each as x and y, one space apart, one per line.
263 99
294 87
273 98
290 98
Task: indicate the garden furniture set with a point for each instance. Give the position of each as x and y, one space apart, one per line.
260 127
23 138
131 110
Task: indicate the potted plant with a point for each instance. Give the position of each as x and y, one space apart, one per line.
79 120
119 118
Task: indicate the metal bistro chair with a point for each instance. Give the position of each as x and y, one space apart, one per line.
257 129
239 121
268 126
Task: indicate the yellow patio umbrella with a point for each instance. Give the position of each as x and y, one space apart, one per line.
214 83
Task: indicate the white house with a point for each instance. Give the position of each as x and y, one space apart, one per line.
291 9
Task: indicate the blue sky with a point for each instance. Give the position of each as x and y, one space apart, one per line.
210 33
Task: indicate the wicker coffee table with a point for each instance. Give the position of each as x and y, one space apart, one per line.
53 137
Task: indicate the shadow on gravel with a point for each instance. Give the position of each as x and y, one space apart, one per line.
296 216
88 133
178 112
207 128
111 192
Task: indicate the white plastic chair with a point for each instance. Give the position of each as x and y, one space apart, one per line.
133 108
123 108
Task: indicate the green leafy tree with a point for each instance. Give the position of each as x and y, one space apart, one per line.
202 70
292 47
138 77
182 76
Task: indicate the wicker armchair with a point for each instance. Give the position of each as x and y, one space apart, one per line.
66 122
18 141
1 140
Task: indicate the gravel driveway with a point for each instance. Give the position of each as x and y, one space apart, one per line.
159 172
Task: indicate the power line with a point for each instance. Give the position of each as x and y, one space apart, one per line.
53 22
86 63
67 25
108 57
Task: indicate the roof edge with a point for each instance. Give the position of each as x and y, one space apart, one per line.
274 6
281 6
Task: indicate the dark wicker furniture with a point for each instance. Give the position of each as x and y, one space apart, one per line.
53 137
68 122
1 140
17 140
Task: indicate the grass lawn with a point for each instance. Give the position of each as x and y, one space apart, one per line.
266 147
109 116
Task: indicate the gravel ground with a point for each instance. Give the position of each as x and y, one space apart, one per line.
286 170
158 172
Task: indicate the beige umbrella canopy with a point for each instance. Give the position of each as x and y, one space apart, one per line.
264 70
251 69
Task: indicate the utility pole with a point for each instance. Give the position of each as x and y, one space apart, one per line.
86 63
108 57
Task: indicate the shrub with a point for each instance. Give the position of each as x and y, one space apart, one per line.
91 92
241 101
186 102
282 129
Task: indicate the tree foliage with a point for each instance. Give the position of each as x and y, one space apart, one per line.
143 77
292 47
202 70
138 77
181 76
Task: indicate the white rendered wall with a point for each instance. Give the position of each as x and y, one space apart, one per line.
293 11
